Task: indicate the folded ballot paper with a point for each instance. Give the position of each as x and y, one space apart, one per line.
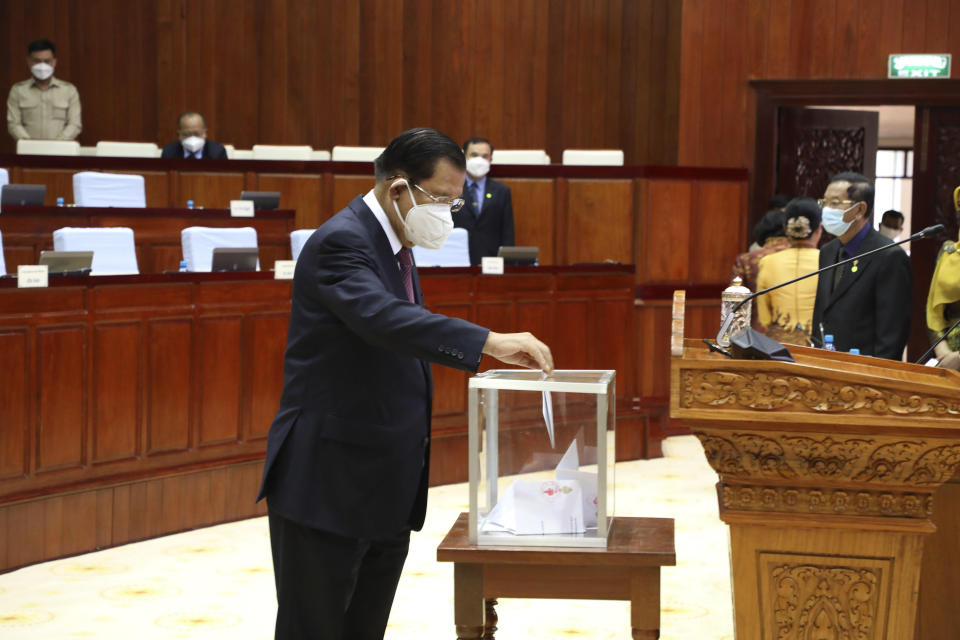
534 507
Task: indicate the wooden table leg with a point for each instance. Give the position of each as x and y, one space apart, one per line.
645 603
490 624
468 606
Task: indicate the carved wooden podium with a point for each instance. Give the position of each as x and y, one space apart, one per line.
830 480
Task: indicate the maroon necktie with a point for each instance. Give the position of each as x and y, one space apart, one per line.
405 258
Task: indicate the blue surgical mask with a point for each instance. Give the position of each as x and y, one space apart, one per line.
833 220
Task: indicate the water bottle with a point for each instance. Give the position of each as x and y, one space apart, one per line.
60 201
828 342
183 266
189 204
855 351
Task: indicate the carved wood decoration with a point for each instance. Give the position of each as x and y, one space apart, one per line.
948 161
822 153
828 476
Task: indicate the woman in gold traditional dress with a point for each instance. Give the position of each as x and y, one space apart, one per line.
787 313
943 301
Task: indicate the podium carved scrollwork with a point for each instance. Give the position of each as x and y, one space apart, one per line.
769 392
827 603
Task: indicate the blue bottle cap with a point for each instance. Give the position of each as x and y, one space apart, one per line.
828 337
189 204
855 351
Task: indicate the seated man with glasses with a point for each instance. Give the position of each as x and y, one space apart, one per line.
865 304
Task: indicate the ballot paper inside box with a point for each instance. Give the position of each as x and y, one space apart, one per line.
541 457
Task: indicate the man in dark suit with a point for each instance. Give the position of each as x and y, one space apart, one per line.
348 453
192 142
865 304
488 213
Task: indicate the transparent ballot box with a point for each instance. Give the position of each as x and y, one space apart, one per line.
542 453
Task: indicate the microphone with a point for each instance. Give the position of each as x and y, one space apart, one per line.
927 353
752 344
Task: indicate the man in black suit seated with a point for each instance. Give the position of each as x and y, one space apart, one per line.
488 213
193 143
865 304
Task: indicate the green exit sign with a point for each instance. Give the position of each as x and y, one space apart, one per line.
919 65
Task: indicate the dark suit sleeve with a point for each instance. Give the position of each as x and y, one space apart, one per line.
214 151
349 284
170 151
506 223
892 299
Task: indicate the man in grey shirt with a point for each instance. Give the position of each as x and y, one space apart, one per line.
43 107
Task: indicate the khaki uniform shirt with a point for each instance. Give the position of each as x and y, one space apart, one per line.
49 114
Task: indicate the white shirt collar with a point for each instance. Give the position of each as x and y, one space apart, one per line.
371 201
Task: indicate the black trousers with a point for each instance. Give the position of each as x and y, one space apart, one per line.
330 587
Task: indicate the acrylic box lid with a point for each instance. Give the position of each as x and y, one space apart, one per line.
571 380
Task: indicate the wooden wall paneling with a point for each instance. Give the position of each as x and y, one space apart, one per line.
733 104
608 233
847 38
114 395
51 527
264 370
59 183
613 349
534 215
301 192
717 231
345 189
668 206
578 354
61 398
24 546
172 512
171 61
104 521
776 32
156 187
4 520
914 27
221 363
79 522
823 37
15 393
691 89
169 385
341 90
210 190
381 72
120 529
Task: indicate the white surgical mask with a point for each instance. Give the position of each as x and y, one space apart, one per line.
426 225
890 232
833 220
477 166
41 71
193 143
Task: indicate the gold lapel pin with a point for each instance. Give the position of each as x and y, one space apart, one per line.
853 269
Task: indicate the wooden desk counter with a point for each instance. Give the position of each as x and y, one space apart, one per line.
627 569
29 230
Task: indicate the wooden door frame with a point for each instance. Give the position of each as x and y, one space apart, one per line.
770 95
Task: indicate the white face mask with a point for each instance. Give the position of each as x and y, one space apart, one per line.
426 225
477 166
833 220
41 71
193 143
890 232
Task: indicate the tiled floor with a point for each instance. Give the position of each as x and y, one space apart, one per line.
218 583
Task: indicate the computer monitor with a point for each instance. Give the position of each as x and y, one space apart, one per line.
64 262
519 255
262 199
234 259
20 195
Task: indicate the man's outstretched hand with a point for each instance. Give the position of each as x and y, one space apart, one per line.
519 348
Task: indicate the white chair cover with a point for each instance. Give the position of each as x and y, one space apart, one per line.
88 151
596 157
320 155
114 252
455 252
48 147
281 152
3 265
520 156
128 149
356 154
297 239
93 189
230 149
199 242
241 154
4 177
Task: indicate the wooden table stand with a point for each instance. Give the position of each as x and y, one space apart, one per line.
627 569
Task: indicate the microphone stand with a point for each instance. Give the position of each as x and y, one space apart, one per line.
927 353
929 231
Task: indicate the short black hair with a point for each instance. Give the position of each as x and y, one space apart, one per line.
477 140
41 45
798 209
860 189
415 154
769 226
892 213
191 113
778 201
